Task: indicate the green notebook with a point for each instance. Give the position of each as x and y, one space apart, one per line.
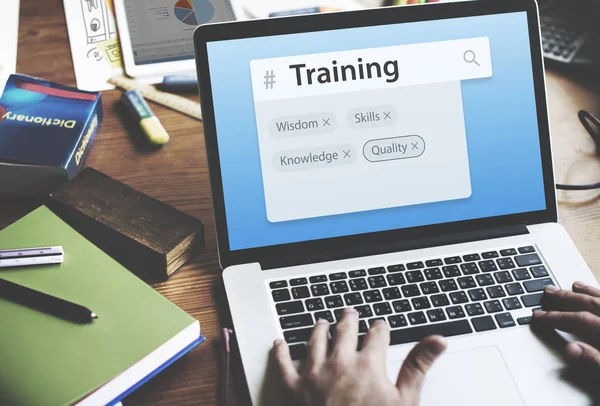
45 360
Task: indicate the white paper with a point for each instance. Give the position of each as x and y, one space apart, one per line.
94 42
262 8
9 32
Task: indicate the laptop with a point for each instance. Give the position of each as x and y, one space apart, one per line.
397 161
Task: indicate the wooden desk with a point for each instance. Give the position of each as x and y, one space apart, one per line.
178 175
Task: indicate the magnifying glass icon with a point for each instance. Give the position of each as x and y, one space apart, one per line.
470 57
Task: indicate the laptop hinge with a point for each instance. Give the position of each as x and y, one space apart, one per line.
395 246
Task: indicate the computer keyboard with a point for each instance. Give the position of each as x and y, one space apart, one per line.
561 41
457 295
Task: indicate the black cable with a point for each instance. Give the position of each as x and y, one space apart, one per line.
589 186
589 122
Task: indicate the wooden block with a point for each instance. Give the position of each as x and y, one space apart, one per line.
149 237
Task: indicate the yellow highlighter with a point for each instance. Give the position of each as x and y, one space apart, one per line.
149 123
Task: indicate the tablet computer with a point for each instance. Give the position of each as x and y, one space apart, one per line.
157 35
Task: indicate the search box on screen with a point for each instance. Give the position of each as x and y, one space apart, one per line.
372 68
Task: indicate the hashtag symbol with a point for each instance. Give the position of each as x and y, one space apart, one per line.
269 79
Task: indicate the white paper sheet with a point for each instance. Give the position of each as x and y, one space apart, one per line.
262 8
94 42
9 32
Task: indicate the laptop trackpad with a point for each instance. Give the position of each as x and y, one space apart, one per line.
470 378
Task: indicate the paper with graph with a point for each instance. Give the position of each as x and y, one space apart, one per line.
9 25
94 42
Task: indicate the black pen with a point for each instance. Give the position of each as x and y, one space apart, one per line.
45 303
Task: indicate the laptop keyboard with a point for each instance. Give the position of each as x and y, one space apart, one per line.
560 41
451 296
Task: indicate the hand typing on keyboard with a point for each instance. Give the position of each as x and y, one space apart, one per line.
576 312
349 377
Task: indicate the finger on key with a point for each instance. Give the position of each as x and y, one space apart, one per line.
584 324
581 287
345 338
377 341
564 300
317 345
283 360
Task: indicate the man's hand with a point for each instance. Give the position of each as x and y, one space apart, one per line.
349 377
576 312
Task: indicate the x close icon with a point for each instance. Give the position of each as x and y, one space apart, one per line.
387 115
326 122
347 154
415 145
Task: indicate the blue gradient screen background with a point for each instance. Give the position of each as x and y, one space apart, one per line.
500 118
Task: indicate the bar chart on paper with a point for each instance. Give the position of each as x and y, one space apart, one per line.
194 12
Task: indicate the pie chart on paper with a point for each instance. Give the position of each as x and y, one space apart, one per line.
194 12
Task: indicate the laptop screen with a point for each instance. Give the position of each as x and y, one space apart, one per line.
344 132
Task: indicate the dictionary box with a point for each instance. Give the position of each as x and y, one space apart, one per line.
46 132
